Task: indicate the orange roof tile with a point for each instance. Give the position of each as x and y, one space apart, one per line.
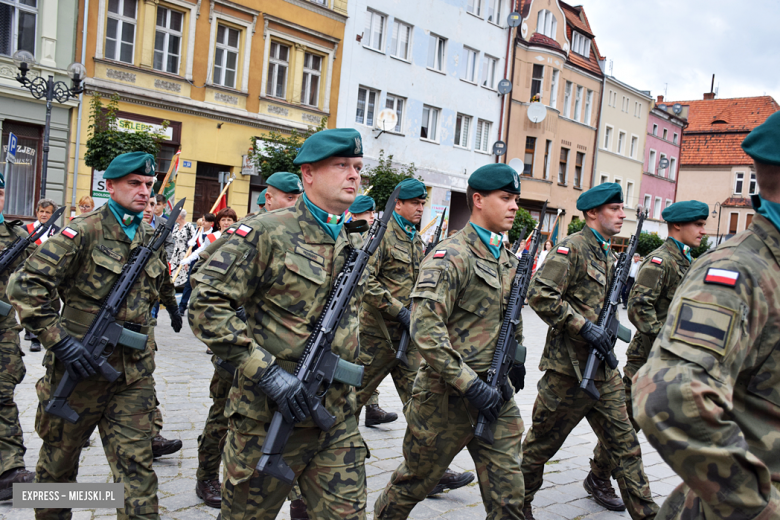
722 149
591 63
541 39
737 114
737 202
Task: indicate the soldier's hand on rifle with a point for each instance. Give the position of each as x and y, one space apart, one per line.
176 321
485 398
517 376
241 313
405 317
287 392
75 357
597 337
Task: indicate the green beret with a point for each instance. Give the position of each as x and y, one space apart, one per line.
362 204
411 189
2 182
261 197
141 163
687 211
495 176
338 142
761 143
286 182
607 193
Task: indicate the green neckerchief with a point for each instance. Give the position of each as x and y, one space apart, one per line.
490 239
128 220
605 244
685 250
332 224
407 226
769 210
2 218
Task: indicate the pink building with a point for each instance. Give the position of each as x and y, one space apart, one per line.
658 188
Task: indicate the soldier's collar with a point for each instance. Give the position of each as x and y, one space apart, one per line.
312 231
475 243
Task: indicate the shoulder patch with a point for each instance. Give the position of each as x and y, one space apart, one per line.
428 278
243 230
563 250
705 325
721 277
230 231
70 233
441 253
657 260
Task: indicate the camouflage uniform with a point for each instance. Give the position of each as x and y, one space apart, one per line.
12 369
708 398
458 306
281 270
570 288
393 270
83 270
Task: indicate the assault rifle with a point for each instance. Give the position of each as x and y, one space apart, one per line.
403 345
319 366
508 352
12 252
105 333
608 319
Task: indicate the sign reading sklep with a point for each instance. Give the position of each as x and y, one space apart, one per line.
128 125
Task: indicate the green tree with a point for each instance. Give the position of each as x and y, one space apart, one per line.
106 141
276 152
648 242
575 225
522 218
384 177
696 252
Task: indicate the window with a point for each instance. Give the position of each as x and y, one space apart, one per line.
277 70
366 106
634 144
646 205
639 112
651 163
580 44
471 64
655 130
668 203
748 220
22 187
629 194
483 134
578 170
562 166
733 223
547 153
740 178
536 81
396 103
567 99
752 186
402 37
621 142
674 139
462 127
546 24
489 72
120 30
474 7
657 208
430 121
607 137
226 56
666 133
494 11
528 160
619 182
374 33
609 99
604 179
167 40
310 90
624 106
554 89
662 171
578 104
636 108
672 168
588 107
436 52
18 23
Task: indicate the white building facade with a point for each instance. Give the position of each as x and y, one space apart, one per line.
437 65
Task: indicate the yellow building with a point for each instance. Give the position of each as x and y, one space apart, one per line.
220 72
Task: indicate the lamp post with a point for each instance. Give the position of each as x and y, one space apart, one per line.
51 90
715 211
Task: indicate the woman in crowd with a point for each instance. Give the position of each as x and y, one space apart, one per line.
183 231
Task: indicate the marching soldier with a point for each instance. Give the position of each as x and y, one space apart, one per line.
280 266
568 292
283 191
708 397
363 209
12 450
458 306
261 201
81 263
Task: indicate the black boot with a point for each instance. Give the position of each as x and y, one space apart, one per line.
162 446
527 512
603 493
210 491
11 477
375 415
451 480
298 510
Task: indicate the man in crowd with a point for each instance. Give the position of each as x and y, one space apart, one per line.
44 210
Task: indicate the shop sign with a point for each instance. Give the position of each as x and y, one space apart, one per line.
249 167
99 190
128 125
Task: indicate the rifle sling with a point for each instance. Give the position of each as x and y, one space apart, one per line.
78 323
379 319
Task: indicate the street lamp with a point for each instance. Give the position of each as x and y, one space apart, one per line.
716 211
50 90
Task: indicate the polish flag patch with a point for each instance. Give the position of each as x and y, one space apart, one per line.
243 230
70 233
230 231
721 277
657 260
440 253
563 250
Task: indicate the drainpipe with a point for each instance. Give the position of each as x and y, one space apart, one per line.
598 128
81 108
679 161
506 67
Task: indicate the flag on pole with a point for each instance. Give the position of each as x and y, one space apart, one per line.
554 235
169 190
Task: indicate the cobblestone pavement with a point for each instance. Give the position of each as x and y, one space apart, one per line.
183 374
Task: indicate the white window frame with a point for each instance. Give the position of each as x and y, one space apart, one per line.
608 131
121 21
167 34
578 103
609 98
655 130
672 168
662 171
245 49
434 43
554 88
226 49
472 64
398 25
668 203
752 184
567 90
652 162
639 115
464 137
548 158
634 145
364 119
546 23
568 164
496 8
619 180
603 178
636 108
395 100
580 44
676 137
369 40
665 134
739 180
488 76
16 6
588 107
474 7
629 193
482 136
309 74
277 64
647 202
657 208
540 93
621 144
434 114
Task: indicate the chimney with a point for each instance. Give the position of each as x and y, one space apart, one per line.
709 95
660 98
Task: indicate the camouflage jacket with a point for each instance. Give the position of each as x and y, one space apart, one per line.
458 306
569 289
280 266
82 269
708 398
393 270
8 234
656 282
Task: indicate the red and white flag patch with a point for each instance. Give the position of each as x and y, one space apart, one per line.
441 253
563 250
70 233
230 231
243 230
657 260
721 277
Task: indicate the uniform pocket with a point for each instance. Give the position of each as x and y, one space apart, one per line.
481 296
546 407
424 423
98 277
294 290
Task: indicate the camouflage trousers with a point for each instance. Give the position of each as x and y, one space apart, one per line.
12 371
377 355
123 414
215 429
329 468
684 504
439 426
559 408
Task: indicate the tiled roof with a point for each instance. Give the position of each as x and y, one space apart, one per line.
714 149
591 63
573 18
541 39
737 202
738 114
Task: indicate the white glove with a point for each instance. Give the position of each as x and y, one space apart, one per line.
190 259
192 242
